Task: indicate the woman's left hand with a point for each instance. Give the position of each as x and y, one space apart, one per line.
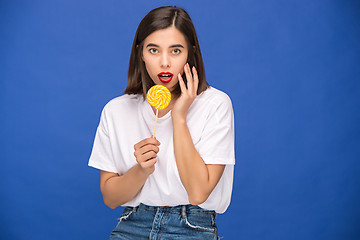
188 94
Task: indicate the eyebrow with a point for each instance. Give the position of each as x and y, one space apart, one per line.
172 46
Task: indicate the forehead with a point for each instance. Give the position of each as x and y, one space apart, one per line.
166 37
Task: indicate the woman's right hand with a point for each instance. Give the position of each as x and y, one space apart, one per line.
146 153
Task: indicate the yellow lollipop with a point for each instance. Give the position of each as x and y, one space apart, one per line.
159 97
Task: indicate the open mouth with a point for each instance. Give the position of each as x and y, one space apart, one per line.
165 77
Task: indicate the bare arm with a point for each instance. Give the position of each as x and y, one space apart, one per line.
198 178
117 190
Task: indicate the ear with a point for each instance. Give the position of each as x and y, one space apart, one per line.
194 48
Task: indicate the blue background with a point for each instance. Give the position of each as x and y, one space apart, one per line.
290 67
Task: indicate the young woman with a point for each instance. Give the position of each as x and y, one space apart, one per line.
171 186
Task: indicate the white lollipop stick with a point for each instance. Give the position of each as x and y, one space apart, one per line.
157 112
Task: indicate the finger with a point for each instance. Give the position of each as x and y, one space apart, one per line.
149 155
145 157
190 81
144 149
148 148
181 83
146 141
149 163
196 80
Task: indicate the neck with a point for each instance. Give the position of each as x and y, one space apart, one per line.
163 112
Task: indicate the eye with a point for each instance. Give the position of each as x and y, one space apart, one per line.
153 50
176 51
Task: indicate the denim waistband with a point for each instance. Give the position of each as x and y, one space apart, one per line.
180 208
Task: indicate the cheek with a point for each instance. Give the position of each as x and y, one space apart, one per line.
147 61
184 61
181 65
148 67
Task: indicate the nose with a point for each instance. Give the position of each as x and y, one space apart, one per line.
165 60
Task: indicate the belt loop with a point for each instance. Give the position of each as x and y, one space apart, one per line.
183 211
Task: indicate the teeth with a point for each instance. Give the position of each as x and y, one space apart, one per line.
165 75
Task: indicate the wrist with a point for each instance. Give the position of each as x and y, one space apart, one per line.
179 119
144 173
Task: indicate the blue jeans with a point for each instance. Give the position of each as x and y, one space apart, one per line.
179 222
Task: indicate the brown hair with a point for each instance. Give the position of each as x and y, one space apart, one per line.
139 81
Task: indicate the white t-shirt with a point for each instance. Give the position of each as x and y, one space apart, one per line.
128 119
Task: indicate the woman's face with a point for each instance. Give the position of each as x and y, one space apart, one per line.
165 53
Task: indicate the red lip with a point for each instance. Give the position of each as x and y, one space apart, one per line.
165 80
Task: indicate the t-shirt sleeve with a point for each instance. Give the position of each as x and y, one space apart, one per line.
216 145
102 156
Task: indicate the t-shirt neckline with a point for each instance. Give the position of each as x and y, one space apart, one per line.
151 114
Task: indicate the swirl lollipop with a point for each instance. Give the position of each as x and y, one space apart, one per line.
159 97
